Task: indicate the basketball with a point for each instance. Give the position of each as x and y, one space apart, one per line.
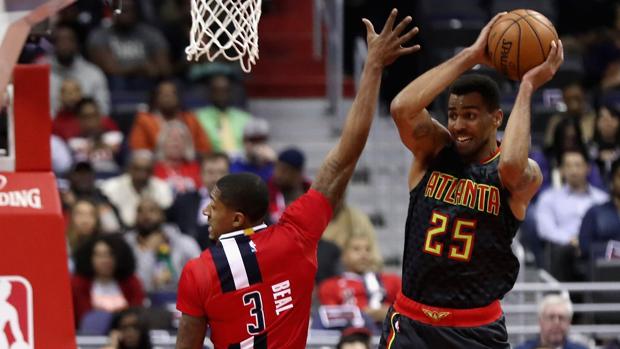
520 40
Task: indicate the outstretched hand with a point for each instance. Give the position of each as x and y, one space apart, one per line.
544 72
479 47
384 48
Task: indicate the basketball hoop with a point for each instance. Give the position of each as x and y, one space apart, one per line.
225 27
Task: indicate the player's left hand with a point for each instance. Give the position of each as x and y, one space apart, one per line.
544 72
384 48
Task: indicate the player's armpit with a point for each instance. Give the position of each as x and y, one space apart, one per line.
191 332
522 187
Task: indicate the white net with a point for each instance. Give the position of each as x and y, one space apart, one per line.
227 28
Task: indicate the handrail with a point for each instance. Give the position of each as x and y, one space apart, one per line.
568 286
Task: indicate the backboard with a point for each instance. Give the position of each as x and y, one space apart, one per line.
16 19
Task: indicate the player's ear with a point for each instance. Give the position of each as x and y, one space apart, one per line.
498 117
238 220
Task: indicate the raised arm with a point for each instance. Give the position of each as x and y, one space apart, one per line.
383 49
519 174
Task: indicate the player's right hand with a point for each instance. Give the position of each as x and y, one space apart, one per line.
479 47
385 47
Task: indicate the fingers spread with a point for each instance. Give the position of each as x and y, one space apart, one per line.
409 35
370 29
389 24
408 50
402 25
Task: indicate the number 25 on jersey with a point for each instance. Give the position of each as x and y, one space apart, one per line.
462 238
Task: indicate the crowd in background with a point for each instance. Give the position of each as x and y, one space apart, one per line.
133 193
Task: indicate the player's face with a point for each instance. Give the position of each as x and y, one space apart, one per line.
472 125
554 325
357 255
221 218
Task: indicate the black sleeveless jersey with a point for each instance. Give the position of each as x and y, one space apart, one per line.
458 235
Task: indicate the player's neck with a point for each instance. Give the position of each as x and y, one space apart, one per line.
486 153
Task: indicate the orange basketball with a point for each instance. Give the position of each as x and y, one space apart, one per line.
520 40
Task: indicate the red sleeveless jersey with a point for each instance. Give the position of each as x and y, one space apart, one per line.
255 286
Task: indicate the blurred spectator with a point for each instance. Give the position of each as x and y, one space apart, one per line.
82 186
129 330
83 16
65 123
187 209
68 63
567 137
83 223
257 157
175 155
62 160
349 221
104 277
354 338
126 190
131 53
578 108
161 250
360 284
605 146
222 122
165 106
602 56
99 141
559 214
555 313
287 182
601 223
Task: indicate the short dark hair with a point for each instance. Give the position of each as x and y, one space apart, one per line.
125 263
142 326
246 193
84 102
487 87
576 150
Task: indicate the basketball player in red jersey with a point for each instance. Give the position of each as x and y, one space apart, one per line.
467 199
253 288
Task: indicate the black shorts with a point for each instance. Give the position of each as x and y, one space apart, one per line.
400 332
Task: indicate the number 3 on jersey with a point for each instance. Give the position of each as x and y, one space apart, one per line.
254 299
462 231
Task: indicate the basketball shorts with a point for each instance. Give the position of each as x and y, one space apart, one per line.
414 325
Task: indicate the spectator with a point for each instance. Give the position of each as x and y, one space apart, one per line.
577 108
131 53
567 136
605 146
360 284
554 317
222 122
349 221
559 213
126 191
83 223
82 186
65 123
601 223
128 330
99 141
68 63
161 250
176 158
287 182
187 209
257 157
62 159
354 338
165 106
104 277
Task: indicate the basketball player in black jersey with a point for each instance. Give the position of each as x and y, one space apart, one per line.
468 195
